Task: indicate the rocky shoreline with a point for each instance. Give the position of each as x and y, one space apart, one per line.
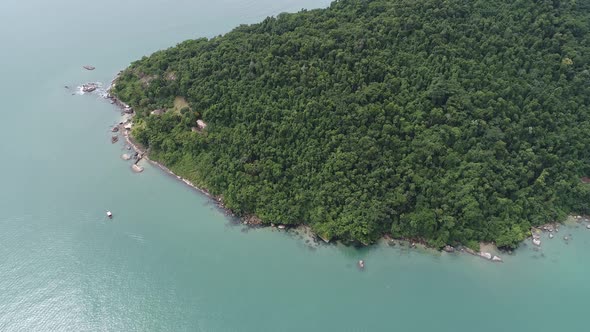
125 127
488 251
551 230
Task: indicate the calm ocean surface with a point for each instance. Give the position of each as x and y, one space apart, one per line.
170 261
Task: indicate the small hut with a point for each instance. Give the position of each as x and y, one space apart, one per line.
158 112
201 124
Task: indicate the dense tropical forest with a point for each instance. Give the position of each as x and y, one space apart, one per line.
449 121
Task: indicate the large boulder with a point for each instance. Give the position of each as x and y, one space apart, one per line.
448 248
485 255
469 251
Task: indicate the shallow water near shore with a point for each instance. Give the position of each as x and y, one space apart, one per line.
170 260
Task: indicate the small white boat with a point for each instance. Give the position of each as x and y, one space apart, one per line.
110 214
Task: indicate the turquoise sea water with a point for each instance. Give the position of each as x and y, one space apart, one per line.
170 260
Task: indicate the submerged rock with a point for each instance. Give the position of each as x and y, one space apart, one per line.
281 226
497 259
136 168
536 241
126 156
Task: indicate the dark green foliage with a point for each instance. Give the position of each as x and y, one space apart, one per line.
452 121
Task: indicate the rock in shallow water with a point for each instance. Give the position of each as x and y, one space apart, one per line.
89 87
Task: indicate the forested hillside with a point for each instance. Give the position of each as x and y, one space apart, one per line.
452 121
